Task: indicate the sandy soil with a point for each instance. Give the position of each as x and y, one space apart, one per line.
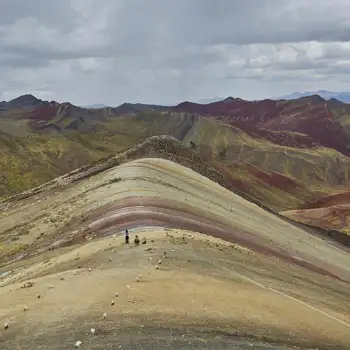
268 284
204 288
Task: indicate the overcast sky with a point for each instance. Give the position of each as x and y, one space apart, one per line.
166 51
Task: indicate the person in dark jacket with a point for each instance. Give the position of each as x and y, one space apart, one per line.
126 236
137 240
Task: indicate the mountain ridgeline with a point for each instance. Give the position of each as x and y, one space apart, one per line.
282 154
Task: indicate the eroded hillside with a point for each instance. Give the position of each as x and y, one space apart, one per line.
247 290
270 151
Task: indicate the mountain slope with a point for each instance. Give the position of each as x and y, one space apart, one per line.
307 122
283 155
330 213
66 241
148 192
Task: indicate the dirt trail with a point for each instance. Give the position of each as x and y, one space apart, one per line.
193 293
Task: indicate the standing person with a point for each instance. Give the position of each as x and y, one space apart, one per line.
126 236
137 240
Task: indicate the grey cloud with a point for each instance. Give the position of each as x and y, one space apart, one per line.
166 51
50 13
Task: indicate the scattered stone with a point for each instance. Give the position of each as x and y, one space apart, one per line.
149 259
89 269
25 308
110 259
104 315
149 249
159 262
112 302
173 250
144 240
50 286
116 294
156 267
127 286
27 284
38 296
61 278
74 273
77 344
92 331
6 325
137 279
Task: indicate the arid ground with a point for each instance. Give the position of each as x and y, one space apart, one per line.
267 285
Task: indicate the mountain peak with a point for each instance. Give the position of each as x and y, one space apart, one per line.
25 98
23 101
314 98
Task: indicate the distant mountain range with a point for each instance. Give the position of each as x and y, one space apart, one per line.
327 95
283 154
201 101
95 106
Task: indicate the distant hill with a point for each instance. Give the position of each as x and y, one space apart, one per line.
282 154
327 95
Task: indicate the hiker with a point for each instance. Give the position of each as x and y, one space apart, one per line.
126 236
137 240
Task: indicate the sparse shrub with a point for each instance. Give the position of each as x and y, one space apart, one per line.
192 144
117 179
222 154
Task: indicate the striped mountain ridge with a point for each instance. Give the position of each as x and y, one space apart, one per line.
284 155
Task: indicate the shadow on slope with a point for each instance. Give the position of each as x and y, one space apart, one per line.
268 189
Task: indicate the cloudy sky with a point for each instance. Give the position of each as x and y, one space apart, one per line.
166 51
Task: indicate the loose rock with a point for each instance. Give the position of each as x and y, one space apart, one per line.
27 284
